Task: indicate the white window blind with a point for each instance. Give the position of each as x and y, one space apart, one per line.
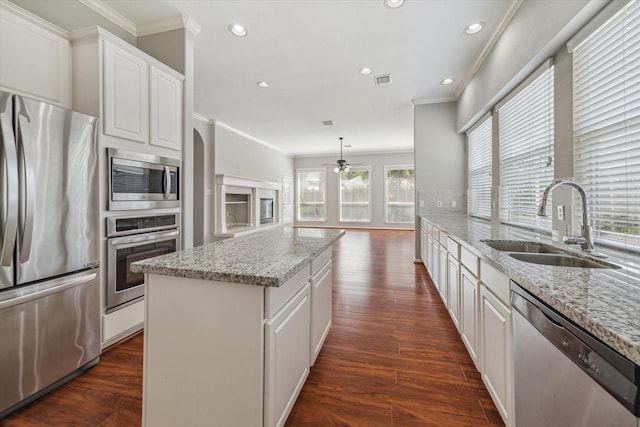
525 129
311 194
479 166
606 104
355 195
399 194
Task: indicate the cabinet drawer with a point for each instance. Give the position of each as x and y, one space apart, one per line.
496 281
453 247
469 260
276 297
320 261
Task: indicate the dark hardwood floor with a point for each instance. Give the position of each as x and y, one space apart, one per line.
392 358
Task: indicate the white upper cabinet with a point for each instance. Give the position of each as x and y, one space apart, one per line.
35 57
126 94
138 98
166 109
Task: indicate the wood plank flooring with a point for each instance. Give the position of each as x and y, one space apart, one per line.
392 358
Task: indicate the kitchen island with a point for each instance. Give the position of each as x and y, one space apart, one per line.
232 327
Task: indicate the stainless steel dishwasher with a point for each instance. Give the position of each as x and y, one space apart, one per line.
564 376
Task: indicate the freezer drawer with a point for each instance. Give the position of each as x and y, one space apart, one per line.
48 332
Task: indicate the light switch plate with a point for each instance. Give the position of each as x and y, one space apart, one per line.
439 204
422 203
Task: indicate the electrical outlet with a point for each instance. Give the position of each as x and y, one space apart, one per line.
439 204
422 203
560 213
453 204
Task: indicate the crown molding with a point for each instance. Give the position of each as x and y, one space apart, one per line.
252 138
112 15
171 23
423 101
34 19
200 117
168 24
506 19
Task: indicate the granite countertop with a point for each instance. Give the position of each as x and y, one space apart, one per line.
266 258
605 302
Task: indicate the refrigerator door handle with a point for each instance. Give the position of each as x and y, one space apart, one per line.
167 182
28 192
11 184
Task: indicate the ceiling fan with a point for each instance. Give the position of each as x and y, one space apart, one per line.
341 164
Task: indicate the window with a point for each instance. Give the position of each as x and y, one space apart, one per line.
606 104
399 184
479 140
311 195
355 195
525 129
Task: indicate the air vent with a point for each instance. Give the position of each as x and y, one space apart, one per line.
382 80
327 122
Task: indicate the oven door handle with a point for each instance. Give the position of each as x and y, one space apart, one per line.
167 182
145 237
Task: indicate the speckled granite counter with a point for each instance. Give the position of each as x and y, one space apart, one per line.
605 302
266 258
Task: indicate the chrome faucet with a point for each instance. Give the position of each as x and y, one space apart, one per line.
585 240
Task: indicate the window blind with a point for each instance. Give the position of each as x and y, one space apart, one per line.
355 195
525 129
479 167
606 104
399 194
311 195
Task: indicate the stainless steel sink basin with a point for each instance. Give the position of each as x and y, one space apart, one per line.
560 260
529 247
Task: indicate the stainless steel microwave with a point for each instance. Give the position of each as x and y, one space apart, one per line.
142 181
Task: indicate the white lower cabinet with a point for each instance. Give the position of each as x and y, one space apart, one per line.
495 358
286 357
321 288
468 313
442 270
453 299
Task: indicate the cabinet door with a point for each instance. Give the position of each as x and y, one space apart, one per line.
35 61
321 287
453 299
423 247
166 109
495 360
429 257
468 312
435 261
442 270
126 94
286 358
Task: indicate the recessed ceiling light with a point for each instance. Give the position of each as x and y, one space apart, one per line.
473 28
237 30
365 71
447 81
263 84
393 4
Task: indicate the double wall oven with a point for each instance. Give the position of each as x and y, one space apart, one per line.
148 187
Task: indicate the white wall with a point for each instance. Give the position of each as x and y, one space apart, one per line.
237 154
440 159
537 31
377 163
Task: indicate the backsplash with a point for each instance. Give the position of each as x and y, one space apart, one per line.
442 202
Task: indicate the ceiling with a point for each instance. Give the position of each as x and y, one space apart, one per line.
310 52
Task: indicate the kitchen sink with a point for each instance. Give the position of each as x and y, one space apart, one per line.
560 260
529 247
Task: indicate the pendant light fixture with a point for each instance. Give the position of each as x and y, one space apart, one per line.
342 164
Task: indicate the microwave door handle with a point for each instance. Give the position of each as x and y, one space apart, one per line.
10 158
167 182
29 189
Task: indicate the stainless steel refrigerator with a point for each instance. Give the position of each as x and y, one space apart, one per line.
49 248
